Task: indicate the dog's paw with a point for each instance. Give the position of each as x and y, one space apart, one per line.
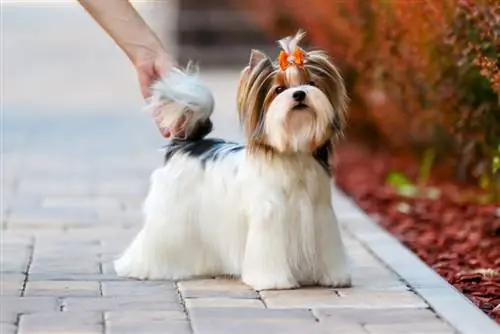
336 280
269 283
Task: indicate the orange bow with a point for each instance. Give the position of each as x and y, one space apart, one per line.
296 58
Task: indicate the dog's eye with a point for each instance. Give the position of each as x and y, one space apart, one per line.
279 89
311 83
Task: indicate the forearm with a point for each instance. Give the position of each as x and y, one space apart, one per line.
125 26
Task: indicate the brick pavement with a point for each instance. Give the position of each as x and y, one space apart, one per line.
73 182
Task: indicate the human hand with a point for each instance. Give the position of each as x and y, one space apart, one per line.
150 67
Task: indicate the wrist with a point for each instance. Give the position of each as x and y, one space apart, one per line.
139 52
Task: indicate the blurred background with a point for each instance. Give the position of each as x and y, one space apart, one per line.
423 76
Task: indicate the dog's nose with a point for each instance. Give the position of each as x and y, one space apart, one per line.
299 95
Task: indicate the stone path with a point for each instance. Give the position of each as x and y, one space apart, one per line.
76 157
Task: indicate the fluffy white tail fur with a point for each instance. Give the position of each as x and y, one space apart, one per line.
181 100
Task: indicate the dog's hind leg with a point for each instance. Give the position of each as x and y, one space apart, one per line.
159 250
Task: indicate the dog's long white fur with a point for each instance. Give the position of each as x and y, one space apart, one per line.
269 221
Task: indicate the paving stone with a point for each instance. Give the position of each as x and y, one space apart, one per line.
342 298
223 302
172 327
8 180
375 316
140 288
15 238
10 248
62 288
61 322
11 284
213 294
162 302
119 242
260 326
300 298
6 316
122 218
51 218
14 261
11 306
217 287
60 242
150 322
51 248
360 257
122 187
98 203
108 267
71 253
378 299
65 266
54 276
381 287
250 313
341 326
428 327
102 233
376 277
120 317
53 187
8 328
107 262
358 254
222 284
26 203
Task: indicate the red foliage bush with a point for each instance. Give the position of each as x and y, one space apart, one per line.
421 74
459 240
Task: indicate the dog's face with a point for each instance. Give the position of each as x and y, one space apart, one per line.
289 107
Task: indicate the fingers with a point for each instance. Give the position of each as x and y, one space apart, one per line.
150 70
162 66
157 116
144 83
165 133
146 92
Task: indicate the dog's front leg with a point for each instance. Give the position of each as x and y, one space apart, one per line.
334 267
266 265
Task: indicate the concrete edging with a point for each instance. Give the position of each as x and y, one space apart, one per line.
451 305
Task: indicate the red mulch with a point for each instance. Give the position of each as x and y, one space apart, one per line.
461 241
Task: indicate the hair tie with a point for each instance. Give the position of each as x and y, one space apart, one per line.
296 58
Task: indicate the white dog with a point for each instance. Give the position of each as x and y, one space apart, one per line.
261 211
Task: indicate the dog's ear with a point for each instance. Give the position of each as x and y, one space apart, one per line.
256 57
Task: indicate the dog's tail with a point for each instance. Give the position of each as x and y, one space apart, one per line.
182 104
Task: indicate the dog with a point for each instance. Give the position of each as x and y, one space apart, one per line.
260 211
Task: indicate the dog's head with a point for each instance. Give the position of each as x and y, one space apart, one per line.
295 104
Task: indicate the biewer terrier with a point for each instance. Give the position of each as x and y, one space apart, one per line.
260 211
